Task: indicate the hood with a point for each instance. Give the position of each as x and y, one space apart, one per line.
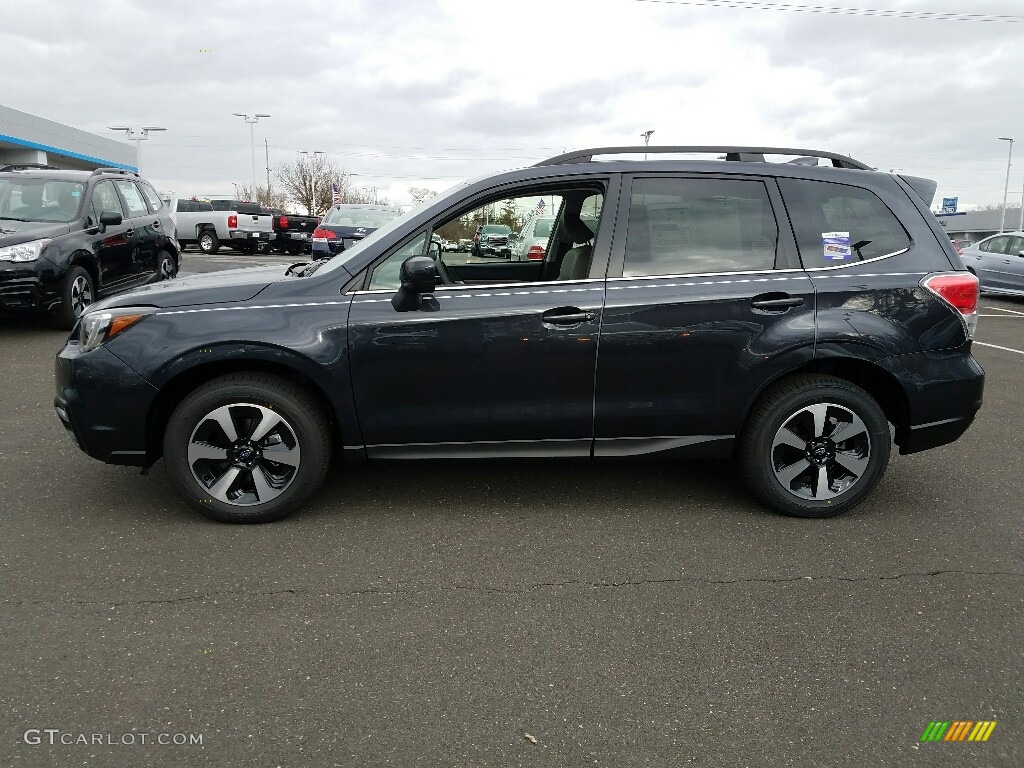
16 232
215 288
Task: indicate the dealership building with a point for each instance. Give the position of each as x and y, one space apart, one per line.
973 226
29 140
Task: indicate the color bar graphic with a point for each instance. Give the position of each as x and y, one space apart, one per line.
958 730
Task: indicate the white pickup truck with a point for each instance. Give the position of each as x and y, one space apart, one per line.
210 224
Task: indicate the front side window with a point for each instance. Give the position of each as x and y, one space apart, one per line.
836 224
680 226
104 198
387 274
132 198
994 245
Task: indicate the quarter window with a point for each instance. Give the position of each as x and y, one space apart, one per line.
155 204
132 198
687 226
837 224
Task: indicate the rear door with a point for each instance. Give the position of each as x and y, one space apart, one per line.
144 235
706 302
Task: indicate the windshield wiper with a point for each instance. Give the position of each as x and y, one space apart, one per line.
313 266
296 264
12 218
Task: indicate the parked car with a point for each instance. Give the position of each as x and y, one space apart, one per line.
785 315
69 237
243 226
532 240
345 225
492 240
465 245
292 233
998 261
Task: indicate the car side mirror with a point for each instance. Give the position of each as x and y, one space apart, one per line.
109 219
419 276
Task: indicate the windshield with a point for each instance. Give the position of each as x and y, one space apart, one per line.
358 216
40 200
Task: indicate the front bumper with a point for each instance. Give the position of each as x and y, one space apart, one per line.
103 404
23 288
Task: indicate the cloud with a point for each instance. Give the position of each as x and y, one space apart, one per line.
423 94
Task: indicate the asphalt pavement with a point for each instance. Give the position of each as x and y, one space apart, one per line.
510 613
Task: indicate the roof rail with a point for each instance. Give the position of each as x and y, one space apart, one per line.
28 167
123 171
741 154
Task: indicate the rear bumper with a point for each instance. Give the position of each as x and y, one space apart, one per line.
102 404
238 234
944 392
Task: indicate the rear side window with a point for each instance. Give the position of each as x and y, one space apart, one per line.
132 198
695 226
155 203
837 224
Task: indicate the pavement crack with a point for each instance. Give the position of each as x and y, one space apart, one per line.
506 589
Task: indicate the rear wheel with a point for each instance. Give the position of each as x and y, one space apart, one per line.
814 446
77 293
247 448
208 242
167 267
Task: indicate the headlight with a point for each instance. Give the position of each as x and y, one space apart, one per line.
95 328
24 251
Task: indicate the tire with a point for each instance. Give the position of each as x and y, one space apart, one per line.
302 436
786 443
77 292
208 242
167 267
181 246
294 250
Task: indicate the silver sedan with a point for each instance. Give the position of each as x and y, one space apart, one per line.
998 261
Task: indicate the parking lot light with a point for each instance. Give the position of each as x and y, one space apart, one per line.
1006 187
138 138
252 141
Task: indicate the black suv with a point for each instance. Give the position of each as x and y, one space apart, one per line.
779 312
68 237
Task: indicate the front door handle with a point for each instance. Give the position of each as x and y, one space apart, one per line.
157 224
567 316
776 302
129 232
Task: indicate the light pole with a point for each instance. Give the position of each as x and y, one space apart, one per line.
312 174
1006 187
647 139
252 141
138 138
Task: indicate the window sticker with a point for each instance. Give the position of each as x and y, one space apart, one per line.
836 246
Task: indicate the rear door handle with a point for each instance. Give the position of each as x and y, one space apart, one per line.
157 224
129 232
567 316
770 302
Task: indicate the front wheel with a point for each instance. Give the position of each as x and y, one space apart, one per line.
247 448
814 446
77 293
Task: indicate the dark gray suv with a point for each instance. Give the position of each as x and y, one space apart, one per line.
780 313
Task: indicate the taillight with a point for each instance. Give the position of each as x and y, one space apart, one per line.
536 253
960 291
283 221
232 221
323 235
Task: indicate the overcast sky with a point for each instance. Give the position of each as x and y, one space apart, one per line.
429 92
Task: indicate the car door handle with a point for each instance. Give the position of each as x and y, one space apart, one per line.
129 232
157 224
567 316
774 302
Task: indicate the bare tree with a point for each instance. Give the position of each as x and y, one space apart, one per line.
306 176
275 199
419 194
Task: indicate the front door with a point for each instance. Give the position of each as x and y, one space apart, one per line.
114 246
499 367
706 302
